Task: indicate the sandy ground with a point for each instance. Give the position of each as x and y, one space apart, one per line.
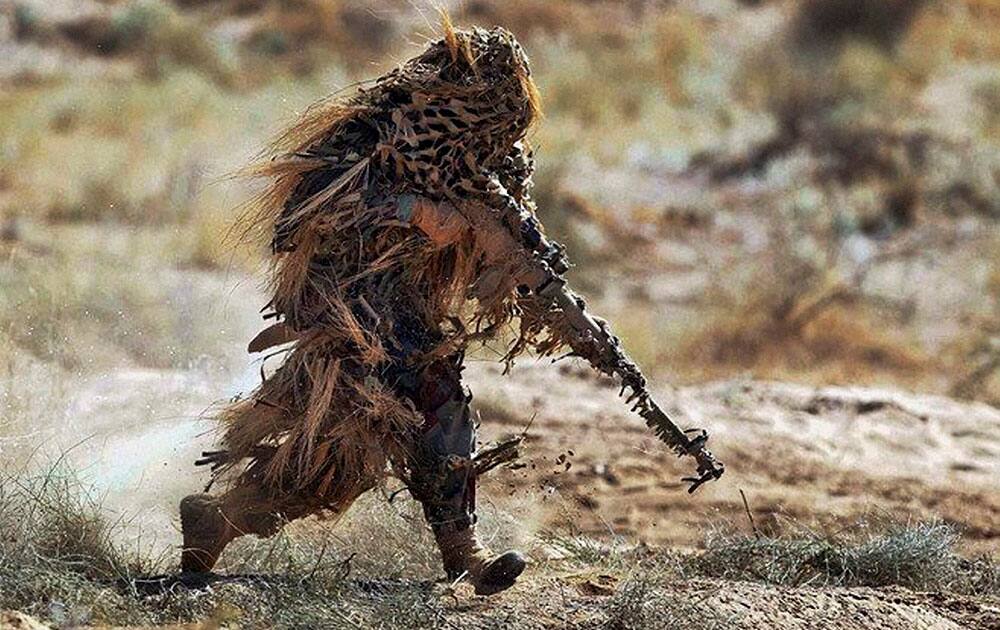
575 599
745 606
826 454
812 454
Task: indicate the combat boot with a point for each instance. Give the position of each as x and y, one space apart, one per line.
463 556
206 532
442 477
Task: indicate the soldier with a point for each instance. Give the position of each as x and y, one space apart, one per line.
403 232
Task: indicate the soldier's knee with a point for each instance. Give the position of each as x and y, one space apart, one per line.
453 431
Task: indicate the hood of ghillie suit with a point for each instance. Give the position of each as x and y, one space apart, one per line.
478 77
475 86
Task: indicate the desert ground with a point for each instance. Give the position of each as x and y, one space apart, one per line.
787 210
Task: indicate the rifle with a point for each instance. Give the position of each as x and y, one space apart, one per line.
544 263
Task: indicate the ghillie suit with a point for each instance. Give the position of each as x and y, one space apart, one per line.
403 232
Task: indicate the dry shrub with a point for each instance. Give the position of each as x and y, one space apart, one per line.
57 548
844 115
797 316
872 53
301 32
156 35
826 22
65 563
644 600
977 357
613 555
830 100
879 553
526 17
806 91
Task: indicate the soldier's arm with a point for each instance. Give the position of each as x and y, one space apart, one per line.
548 301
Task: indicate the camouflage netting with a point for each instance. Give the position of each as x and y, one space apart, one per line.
369 276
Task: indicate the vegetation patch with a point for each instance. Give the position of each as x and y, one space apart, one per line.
65 563
920 556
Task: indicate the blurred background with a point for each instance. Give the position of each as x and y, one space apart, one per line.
794 190
804 189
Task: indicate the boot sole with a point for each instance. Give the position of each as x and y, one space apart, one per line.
505 577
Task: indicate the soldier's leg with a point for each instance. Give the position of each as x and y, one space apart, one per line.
210 522
443 480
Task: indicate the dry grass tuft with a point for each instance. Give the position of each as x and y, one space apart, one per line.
66 564
57 549
642 601
918 556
